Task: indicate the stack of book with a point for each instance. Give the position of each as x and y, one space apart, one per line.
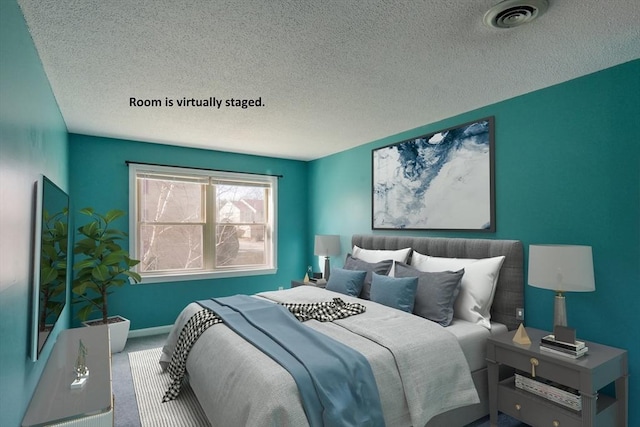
558 393
576 349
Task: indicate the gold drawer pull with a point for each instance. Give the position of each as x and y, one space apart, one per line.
556 423
534 363
518 406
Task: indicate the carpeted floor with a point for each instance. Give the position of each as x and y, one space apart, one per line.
150 383
126 406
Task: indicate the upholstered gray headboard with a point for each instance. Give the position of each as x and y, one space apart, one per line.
510 290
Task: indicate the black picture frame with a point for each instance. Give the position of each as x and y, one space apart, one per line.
444 180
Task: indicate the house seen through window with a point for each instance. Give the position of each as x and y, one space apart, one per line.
188 224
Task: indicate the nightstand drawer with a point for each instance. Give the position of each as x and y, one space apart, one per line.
533 410
543 368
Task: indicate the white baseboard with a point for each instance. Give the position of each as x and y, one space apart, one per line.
157 330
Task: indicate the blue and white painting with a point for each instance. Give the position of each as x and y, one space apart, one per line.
441 181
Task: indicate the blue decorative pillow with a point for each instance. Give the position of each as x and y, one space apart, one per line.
394 292
436 292
381 267
348 282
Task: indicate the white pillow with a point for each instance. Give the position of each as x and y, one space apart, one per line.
373 256
377 255
478 284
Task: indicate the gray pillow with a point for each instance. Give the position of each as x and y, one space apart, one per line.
346 282
394 292
436 292
382 268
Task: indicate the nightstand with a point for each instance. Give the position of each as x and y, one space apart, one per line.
588 374
295 283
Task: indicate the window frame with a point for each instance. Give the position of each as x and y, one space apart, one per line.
207 271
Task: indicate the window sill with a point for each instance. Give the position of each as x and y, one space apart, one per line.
182 277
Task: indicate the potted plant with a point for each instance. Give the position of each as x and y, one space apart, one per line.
105 265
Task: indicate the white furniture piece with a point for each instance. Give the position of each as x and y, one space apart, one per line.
55 403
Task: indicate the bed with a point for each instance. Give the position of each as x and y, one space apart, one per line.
236 384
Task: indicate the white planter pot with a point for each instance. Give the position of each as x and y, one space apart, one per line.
118 331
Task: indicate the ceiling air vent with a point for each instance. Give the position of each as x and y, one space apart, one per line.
513 13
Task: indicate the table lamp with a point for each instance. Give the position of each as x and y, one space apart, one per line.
327 245
562 268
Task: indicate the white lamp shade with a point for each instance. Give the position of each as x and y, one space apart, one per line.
327 245
562 268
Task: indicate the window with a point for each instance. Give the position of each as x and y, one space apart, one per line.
188 224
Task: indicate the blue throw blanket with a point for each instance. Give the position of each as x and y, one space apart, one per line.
336 383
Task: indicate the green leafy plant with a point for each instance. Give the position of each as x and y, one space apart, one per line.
105 264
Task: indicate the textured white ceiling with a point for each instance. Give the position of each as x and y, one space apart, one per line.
331 74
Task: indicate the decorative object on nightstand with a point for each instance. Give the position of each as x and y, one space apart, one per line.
81 369
327 245
521 336
562 268
563 343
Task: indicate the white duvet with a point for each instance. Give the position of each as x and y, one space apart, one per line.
419 367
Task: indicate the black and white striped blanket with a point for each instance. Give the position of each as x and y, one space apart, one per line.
325 311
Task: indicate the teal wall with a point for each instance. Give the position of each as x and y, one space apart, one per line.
567 162
100 178
567 171
33 141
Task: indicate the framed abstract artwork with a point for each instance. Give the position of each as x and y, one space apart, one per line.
439 181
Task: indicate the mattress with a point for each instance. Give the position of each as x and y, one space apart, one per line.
473 340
